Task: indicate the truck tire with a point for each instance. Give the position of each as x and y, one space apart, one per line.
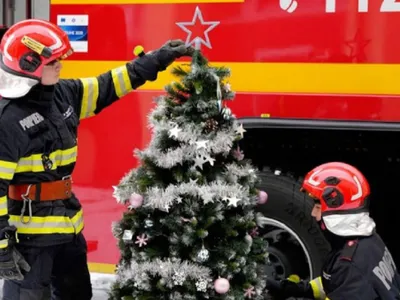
291 229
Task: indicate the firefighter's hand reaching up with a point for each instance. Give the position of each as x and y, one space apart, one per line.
170 51
12 264
148 65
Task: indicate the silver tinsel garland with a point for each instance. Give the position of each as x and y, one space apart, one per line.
163 199
220 143
234 172
172 271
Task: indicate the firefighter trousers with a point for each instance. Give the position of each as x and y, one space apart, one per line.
57 272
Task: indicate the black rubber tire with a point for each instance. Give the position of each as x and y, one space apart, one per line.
293 208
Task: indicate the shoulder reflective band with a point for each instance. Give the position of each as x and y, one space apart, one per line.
3 244
121 80
48 225
36 46
34 162
89 97
3 206
318 289
7 169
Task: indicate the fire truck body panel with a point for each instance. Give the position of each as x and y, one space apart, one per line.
306 65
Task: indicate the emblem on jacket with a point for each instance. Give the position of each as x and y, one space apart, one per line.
30 121
68 113
326 276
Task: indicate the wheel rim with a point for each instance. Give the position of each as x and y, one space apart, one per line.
281 254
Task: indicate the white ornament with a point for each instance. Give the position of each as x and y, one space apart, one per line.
127 236
201 144
207 198
209 159
179 278
240 130
199 162
201 286
233 201
203 255
174 131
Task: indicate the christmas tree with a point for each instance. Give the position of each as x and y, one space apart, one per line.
190 230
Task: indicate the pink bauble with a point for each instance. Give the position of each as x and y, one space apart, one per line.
262 197
136 200
221 285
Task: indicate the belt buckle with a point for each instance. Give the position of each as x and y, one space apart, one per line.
67 177
68 186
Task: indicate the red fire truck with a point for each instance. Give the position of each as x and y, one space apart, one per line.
316 81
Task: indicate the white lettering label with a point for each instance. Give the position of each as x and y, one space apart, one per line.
31 121
390 6
330 6
378 273
363 6
385 269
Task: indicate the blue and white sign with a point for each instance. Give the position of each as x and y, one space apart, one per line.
76 27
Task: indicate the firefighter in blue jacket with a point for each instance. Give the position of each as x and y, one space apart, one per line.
360 266
41 220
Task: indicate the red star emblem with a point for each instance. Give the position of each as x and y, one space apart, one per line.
357 47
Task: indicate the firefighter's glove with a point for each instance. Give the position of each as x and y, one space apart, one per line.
12 264
148 65
291 287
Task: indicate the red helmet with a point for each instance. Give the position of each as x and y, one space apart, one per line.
339 187
30 44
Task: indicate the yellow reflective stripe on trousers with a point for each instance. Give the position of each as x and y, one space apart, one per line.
7 169
3 206
77 221
318 289
59 158
121 80
89 97
48 225
3 244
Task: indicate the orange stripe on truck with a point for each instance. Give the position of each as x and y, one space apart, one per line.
141 1
278 77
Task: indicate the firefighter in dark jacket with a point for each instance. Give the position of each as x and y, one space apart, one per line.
360 266
41 221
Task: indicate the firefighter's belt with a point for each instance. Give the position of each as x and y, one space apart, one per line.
44 191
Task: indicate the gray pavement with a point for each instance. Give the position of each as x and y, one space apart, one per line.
100 282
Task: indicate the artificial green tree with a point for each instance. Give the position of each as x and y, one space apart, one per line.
190 230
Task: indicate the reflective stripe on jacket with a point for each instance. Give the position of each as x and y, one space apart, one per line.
318 289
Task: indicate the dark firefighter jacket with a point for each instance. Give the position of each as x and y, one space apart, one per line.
45 122
363 270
